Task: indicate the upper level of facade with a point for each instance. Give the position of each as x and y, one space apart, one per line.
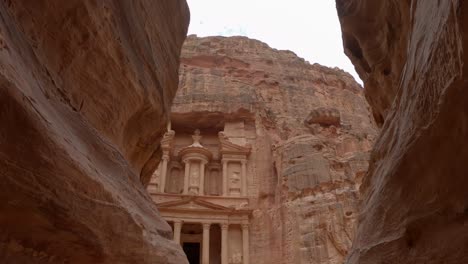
196 165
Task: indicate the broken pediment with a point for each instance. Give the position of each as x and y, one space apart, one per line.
227 147
168 140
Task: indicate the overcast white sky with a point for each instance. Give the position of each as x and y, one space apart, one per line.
309 28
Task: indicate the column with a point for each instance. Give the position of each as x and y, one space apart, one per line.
202 178
162 179
245 244
224 243
244 178
177 230
225 180
186 177
206 244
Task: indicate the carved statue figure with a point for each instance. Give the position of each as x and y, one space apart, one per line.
196 138
194 178
235 179
235 184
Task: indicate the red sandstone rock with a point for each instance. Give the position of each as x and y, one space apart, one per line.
85 91
310 131
412 57
324 116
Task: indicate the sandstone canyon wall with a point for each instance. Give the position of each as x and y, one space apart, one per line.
411 56
85 93
310 130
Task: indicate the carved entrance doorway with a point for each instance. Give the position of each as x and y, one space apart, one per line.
192 250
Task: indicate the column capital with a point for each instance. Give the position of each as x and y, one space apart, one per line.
245 226
165 156
224 226
178 221
244 162
206 225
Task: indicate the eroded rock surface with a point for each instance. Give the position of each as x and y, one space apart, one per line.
412 57
85 91
310 130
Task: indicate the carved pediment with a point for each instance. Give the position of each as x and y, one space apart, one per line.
227 147
192 203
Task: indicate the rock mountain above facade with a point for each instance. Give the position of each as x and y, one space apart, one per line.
308 129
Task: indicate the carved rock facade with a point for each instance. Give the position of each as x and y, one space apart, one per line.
298 136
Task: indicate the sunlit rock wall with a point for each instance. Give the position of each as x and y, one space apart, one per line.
411 56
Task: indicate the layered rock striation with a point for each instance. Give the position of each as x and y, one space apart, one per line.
85 93
309 129
412 58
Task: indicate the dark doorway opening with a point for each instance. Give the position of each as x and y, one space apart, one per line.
192 250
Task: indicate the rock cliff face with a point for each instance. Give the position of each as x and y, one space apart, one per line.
310 130
412 56
85 92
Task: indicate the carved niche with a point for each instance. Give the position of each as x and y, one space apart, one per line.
175 181
234 178
214 181
194 177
